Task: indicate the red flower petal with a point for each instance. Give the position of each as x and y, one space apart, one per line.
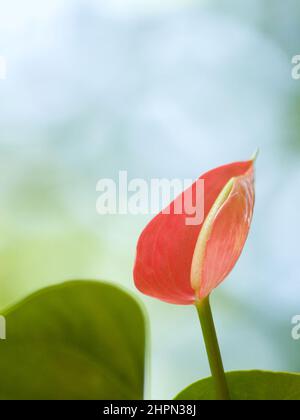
166 247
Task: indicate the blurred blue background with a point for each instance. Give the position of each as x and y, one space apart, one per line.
160 89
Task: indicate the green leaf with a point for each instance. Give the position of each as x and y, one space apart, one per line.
78 340
252 385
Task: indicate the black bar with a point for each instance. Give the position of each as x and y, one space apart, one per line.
102 409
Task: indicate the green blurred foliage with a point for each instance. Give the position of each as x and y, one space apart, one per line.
255 385
78 340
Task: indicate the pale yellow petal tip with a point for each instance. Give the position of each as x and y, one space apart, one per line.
255 155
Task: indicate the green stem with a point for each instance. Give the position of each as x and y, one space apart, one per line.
212 349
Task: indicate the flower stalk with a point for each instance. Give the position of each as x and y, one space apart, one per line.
212 349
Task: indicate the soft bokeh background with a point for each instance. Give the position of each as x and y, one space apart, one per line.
161 89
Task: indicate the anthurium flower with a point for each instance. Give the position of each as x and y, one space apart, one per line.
180 263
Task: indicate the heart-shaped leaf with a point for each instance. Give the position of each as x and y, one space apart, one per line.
78 340
251 385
